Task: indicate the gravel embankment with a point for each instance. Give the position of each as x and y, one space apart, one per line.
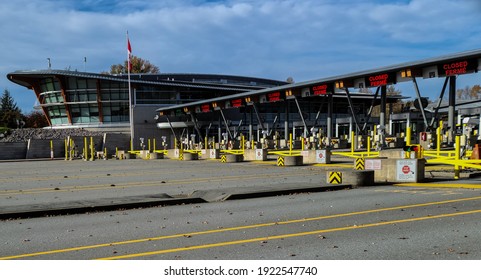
22 135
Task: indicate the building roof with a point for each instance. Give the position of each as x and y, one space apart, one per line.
232 83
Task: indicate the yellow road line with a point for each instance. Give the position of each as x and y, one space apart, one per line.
285 236
334 165
145 184
95 246
440 185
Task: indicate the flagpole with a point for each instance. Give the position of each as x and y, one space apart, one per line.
131 112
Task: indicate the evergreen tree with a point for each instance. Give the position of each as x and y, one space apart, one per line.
10 114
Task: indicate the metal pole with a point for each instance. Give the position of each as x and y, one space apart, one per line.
329 119
172 129
286 121
226 125
452 109
420 103
302 116
131 113
352 109
440 100
370 109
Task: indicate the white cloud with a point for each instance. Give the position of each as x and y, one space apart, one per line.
305 39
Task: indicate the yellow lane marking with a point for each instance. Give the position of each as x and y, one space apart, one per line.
146 184
440 185
97 175
285 236
241 228
334 165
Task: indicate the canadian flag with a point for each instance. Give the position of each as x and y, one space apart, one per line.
129 50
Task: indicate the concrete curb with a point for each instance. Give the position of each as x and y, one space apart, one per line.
130 202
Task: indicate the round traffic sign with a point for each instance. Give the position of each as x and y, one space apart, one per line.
406 169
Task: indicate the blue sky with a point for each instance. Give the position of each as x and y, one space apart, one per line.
277 39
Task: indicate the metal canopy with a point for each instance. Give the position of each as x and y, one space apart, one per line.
447 65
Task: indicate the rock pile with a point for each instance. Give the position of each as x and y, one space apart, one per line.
22 135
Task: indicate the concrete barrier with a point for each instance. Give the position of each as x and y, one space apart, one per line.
257 154
387 170
214 153
356 178
293 160
317 156
156 155
234 158
190 156
16 150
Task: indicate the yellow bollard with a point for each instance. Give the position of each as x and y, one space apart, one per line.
243 144
353 141
438 141
86 150
457 156
92 150
66 149
149 145
408 136
290 144
368 146
51 149
71 148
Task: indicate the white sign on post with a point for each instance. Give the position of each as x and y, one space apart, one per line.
320 156
406 170
259 154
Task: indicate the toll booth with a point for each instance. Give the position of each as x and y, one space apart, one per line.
469 121
344 126
399 123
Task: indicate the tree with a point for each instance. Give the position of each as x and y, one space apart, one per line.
475 92
10 114
36 119
139 65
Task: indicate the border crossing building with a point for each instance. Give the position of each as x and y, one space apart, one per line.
221 107
71 99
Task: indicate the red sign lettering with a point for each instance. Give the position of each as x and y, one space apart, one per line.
455 68
319 90
274 96
458 67
205 108
236 103
378 80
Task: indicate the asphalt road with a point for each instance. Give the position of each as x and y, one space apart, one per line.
381 222
422 221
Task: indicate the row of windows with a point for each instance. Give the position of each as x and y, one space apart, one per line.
89 113
84 90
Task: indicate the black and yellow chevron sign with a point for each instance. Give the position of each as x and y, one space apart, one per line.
360 163
181 156
280 161
223 158
335 177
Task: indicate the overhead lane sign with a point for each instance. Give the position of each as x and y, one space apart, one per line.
458 67
381 79
321 89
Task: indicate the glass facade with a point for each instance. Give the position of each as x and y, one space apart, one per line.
83 99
